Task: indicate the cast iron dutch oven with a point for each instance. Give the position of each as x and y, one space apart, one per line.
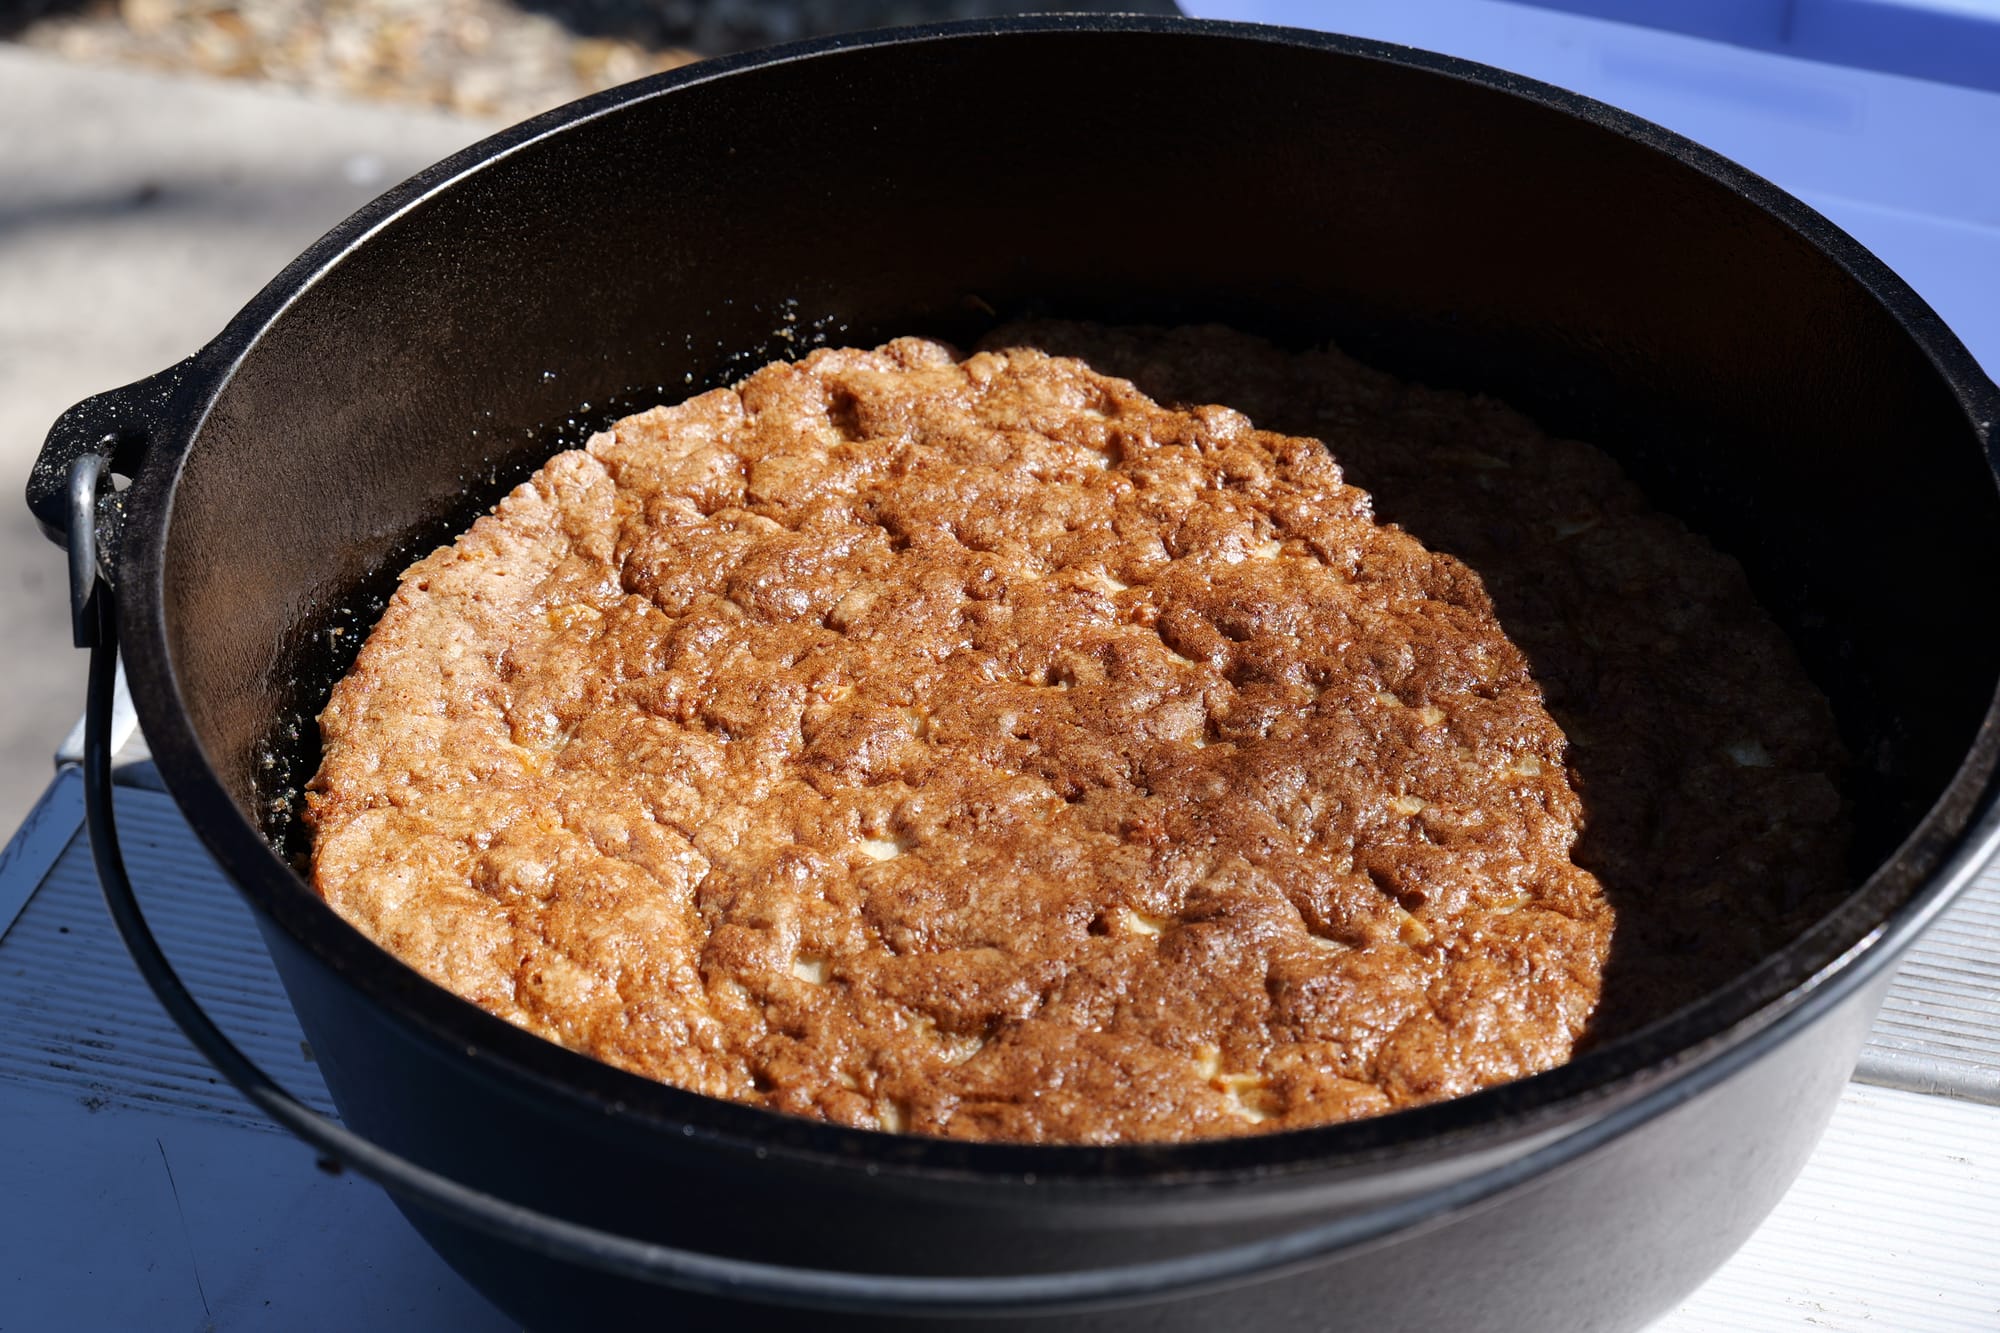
1756 370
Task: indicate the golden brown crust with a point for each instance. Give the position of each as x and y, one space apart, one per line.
1706 758
974 748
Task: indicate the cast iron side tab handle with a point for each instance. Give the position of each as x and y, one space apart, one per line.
119 425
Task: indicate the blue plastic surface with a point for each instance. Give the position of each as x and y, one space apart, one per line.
1953 41
1910 168
1764 23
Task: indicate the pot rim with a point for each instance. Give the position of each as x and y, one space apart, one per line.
1852 943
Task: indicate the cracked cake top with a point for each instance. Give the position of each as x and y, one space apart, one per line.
969 747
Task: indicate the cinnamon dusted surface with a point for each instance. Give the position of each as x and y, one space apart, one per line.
983 749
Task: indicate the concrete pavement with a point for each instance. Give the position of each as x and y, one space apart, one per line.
138 212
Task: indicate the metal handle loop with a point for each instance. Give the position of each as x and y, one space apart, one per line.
84 474
719 1275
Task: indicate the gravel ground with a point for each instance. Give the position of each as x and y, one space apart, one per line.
138 211
475 57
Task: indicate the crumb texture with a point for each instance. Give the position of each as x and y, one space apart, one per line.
1707 760
980 747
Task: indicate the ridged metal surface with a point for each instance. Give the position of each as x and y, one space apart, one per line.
43 836
1895 1224
74 1014
1939 1032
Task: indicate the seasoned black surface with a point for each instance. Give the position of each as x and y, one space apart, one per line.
1455 225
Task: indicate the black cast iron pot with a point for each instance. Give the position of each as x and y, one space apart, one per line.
1754 368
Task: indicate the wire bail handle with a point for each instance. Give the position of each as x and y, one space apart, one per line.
84 577
93 608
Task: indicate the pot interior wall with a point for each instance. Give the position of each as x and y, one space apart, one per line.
1437 227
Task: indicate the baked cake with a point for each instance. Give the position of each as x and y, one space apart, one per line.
983 747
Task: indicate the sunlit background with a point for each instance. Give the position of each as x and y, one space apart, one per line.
160 160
